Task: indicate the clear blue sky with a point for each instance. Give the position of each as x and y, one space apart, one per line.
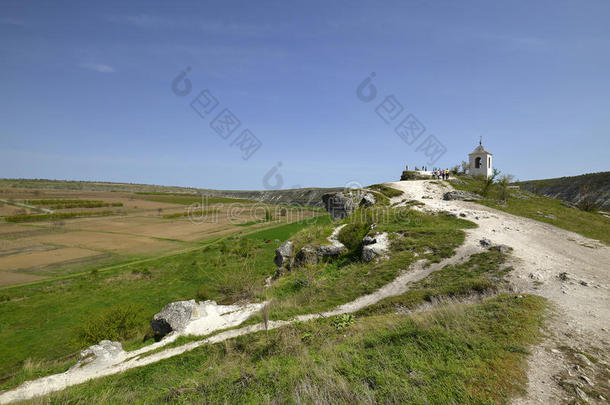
87 88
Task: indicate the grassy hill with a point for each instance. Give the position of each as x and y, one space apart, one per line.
539 207
574 188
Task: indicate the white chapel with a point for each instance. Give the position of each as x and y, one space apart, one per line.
480 161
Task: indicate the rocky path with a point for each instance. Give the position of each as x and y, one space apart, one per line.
571 271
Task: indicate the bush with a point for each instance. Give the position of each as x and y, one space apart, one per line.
118 323
351 235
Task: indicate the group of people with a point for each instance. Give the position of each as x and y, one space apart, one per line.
441 174
437 173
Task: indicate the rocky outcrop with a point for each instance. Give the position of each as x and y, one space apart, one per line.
312 255
339 205
284 256
296 196
306 256
368 200
375 246
413 175
190 317
461 195
574 189
173 317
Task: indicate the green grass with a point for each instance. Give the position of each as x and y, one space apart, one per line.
321 287
462 354
590 224
389 192
482 273
56 216
41 321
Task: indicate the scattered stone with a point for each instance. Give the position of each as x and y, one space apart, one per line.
536 276
462 215
583 283
486 243
461 195
426 197
563 276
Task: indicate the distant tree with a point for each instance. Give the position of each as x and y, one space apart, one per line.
159 211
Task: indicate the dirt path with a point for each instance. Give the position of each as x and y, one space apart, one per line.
571 271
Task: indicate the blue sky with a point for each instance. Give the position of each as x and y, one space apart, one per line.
87 89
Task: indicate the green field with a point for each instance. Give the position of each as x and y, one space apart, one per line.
41 321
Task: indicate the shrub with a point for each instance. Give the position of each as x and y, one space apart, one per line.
351 235
119 322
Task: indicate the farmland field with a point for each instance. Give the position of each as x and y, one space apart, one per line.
50 233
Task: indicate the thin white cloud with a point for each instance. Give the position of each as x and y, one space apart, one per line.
99 67
142 20
11 21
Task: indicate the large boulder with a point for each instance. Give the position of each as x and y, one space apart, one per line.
461 195
339 205
173 317
284 255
